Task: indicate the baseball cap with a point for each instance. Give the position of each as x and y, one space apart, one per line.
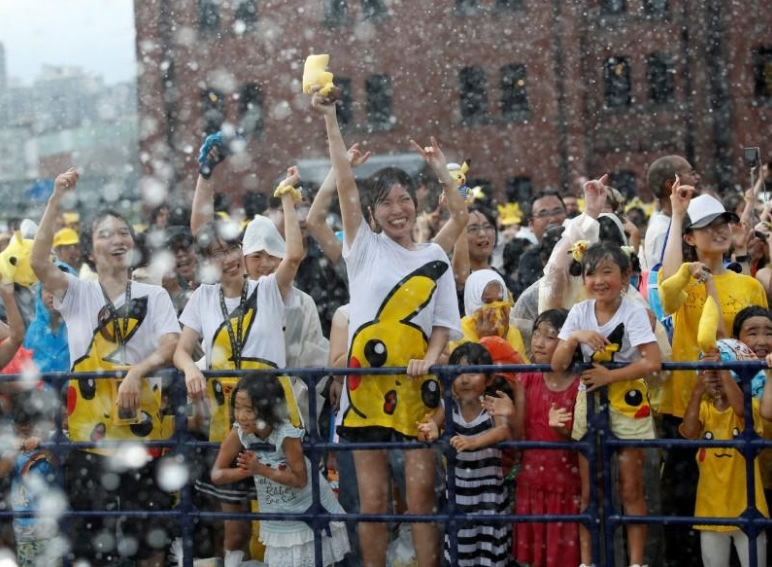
704 209
66 237
262 234
502 352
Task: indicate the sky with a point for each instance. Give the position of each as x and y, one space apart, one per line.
97 35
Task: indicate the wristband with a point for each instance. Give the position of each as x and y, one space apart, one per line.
743 258
297 194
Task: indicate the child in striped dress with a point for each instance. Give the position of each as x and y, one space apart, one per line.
478 477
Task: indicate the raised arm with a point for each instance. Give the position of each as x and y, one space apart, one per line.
15 338
673 256
348 193
691 427
316 221
288 267
51 277
454 200
212 153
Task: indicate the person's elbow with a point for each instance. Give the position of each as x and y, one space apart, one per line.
217 476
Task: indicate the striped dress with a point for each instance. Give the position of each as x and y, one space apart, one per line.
479 490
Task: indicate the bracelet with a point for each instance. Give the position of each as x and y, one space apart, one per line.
297 194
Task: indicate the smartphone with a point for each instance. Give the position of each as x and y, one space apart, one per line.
751 156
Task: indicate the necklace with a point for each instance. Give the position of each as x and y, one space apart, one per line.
235 339
121 333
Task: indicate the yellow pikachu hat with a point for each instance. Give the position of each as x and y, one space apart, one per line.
315 73
15 261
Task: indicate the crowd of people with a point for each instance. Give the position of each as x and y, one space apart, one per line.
388 271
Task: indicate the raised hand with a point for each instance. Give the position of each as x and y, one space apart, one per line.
680 195
66 181
322 104
499 405
432 155
356 157
595 195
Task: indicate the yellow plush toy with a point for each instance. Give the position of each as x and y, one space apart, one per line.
315 73
14 261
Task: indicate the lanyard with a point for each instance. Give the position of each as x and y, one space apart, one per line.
121 334
235 339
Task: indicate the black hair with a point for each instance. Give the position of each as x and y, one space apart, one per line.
732 200
600 251
179 216
499 383
608 232
555 317
473 353
102 214
213 233
33 406
552 235
222 203
179 237
255 203
541 195
267 396
513 251
153 217
661 170
747 313
379 184
141 254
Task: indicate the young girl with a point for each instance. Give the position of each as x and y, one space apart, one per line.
403 310
479 480
554 544
698 241
721 490
281 474
240 322
609 327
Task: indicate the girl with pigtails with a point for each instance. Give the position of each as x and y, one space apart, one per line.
403 311
610 327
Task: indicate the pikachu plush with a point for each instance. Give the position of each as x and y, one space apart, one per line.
14 261
315 73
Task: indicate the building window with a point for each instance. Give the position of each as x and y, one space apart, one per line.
655 7
373 9
379 101
474 94
335 12
246 12
519 190
616 77
624 181
208 16
212 110
251 108
514 96
344 107
467 7
613 6
660 76
509 4
762 73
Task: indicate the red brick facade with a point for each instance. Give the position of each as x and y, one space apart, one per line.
567 131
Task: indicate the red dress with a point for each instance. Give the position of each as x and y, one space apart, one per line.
548 482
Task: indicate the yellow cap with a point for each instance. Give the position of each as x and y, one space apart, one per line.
66 237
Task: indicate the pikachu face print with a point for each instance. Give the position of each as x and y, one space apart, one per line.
91 407
227 356
631 397
392 339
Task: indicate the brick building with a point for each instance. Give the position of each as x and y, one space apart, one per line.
536 93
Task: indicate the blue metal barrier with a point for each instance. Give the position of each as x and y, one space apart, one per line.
600 517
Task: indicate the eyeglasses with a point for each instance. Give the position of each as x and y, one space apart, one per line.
549 214
220 253
477 228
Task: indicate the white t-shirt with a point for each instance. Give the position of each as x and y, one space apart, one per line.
397 296
627 329
654 241
262 342
93 346
262 324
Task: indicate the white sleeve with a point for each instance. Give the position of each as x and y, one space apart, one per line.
72 297
191 316
164 316
356 256
573 322
446 306
639 326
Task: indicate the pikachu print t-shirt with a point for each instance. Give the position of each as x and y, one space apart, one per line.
397 296
262 341
94 346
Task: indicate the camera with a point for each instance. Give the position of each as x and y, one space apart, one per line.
752 156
